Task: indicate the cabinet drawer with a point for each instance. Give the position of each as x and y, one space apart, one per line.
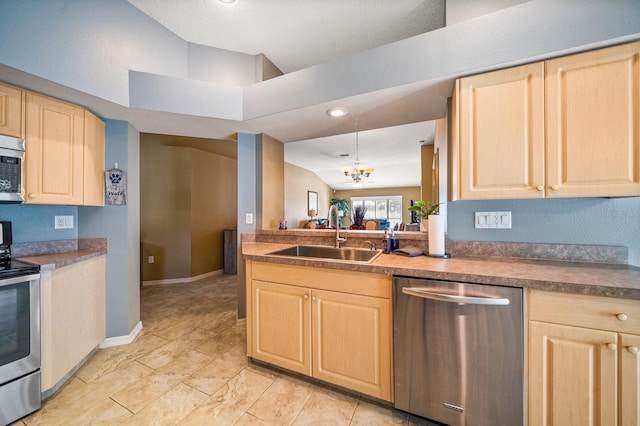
603 313
354 282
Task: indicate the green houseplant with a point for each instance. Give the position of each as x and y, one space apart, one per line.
423 210
342 205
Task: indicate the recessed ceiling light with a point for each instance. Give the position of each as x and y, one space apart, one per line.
337 112
227 1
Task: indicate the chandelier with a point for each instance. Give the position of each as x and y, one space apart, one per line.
359 171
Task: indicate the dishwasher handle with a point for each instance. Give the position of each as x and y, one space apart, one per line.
472 300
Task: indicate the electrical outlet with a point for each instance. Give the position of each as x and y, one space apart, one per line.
63 222
248 218
151 259
493 220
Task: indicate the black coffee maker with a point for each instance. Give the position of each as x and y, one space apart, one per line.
6 240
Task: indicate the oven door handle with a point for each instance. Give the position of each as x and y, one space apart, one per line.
18 279
471 300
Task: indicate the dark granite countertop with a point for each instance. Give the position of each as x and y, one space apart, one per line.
58 253
601 279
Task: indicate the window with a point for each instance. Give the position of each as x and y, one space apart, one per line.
382 207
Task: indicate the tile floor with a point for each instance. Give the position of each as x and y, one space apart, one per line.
188 366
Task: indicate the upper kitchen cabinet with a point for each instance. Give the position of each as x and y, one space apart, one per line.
54 151
501 154
567 127
592 123
93 160
11 103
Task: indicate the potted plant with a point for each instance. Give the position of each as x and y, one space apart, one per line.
424 211
357 220
343 206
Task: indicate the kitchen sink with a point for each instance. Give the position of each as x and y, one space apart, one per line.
346 254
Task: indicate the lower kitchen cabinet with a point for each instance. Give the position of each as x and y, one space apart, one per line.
584 365
72 318
332 325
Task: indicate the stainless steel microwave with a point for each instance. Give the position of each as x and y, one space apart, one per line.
11 171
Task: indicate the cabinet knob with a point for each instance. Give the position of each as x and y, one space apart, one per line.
540 188
313 298
306 296
622 317
554 187
632 349
612 346
32 195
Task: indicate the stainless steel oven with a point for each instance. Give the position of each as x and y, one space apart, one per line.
19 334
19 347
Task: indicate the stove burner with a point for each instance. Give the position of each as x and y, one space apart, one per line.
15 268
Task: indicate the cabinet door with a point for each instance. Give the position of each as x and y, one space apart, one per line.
10 111
54 151
281 325
572 375
593 119
629 380
501 134
93 162
352 342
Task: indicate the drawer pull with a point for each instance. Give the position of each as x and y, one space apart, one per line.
622 317
633 349
612 346
306 296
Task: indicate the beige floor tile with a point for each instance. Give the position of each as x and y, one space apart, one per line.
175 348
249 420
219 371
327 407
106 413
224 341
281 403
146 390
186 363
109 359
170 408
71 402
231 401
371 414
178 329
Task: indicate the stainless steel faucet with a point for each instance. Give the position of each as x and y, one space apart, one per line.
339 240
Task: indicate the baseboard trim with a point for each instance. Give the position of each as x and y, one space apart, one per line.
184 280
122 340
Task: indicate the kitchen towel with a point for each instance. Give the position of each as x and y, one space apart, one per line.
436 234
411 251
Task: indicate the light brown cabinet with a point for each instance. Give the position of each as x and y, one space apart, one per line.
297 320
64 163
566 127
54 143
73 318
93 161
11 111
583 360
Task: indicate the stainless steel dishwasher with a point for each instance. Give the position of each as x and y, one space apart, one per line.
458 352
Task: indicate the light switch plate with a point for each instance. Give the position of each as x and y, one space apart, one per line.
493 220
248 219
63 222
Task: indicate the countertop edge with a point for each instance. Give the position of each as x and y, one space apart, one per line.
621 282
53 261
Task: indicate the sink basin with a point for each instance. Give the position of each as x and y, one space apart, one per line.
346 254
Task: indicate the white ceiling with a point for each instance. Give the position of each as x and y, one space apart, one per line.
297 34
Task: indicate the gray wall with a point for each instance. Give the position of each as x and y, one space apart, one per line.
31 223
247 203
120 224
600 221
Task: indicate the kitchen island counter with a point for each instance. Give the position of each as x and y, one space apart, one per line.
591 278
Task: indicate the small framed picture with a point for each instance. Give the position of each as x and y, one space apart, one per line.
312 201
